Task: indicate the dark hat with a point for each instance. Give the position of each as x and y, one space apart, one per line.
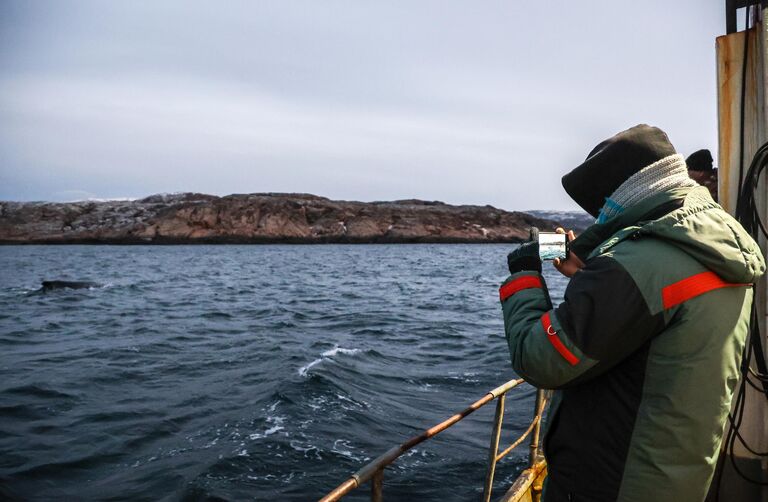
612 162
700 160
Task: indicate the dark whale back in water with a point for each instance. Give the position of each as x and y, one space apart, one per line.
51 285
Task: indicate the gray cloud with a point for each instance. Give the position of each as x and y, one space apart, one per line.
459 101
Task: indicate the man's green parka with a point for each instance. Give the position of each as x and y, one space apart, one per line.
644 351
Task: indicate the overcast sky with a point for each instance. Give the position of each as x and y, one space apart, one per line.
485 102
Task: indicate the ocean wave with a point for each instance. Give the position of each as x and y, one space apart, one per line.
328 354
276 425
37 391
187 370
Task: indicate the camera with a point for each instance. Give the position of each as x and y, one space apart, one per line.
551 244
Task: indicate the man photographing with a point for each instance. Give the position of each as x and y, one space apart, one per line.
644 351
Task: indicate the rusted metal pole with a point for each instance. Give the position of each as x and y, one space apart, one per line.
341 490
494 448
537 411
377 486
518 440
387 458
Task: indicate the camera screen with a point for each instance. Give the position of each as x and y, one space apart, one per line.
552 246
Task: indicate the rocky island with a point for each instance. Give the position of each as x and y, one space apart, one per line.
189 218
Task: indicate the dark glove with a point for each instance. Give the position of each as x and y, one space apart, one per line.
526 257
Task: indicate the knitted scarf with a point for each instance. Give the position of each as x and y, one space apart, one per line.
661 176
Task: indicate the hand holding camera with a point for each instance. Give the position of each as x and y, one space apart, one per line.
545 246
571 263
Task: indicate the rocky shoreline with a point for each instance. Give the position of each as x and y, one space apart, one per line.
191 218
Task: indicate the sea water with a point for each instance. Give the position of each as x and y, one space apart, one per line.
251 372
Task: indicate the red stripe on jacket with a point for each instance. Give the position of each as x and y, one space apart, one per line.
519 284
556 342
693 286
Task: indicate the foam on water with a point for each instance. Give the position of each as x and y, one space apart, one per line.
326 355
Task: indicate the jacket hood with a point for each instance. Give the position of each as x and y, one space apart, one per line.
702 229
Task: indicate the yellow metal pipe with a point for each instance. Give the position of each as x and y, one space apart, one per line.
538 410
494 448
519 440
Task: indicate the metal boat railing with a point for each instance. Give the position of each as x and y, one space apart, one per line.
374 470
